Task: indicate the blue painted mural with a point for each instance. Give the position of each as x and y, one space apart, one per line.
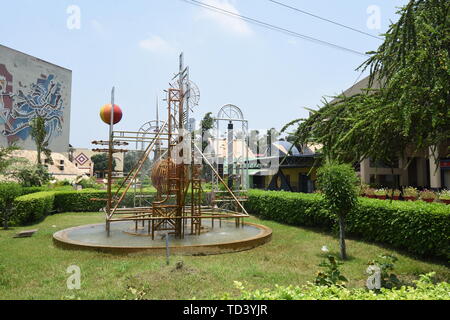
42 99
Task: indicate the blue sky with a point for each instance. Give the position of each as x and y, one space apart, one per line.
134 45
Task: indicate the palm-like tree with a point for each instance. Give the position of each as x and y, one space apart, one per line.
39 134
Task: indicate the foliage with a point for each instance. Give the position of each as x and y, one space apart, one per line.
418 227
369 192
6 158
39 135
393 193
424 289
131 159
338 185
332 275
444 195
381 192
32 207
363 188
411 106
427 194
29 190
88 183
410 192
101 163
414 61
81 201
386 264
29 175
8 192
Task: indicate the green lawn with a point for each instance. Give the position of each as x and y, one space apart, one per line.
33 268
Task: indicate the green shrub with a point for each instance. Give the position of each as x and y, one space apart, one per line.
8 192
338 185
32 207
424 289
29 190
331 276
28 174
80 201
418 227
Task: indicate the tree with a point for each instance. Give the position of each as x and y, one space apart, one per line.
338 184
8 192
131 158
206 124
28 174
409 110
39 135
101 163
414 65
6 158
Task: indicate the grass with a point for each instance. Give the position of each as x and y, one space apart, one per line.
32 268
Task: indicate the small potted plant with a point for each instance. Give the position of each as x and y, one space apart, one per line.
370 193
427 195
363 189
444 196
381 194
394 194
410 194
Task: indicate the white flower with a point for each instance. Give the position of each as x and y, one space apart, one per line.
325 249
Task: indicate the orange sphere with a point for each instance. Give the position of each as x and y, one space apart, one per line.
105 113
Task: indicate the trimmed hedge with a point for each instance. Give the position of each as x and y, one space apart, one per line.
418 227
32 207
29 190
80 201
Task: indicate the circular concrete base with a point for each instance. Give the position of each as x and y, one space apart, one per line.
224 239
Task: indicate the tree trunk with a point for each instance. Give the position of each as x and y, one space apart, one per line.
342 237
39 161
5 220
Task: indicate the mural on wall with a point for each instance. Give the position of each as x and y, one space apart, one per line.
41 99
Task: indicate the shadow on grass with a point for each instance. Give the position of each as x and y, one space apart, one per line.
334 233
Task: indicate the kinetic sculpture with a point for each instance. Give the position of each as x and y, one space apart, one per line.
179 205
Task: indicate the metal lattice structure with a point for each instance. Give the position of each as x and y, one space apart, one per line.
179 205
235 165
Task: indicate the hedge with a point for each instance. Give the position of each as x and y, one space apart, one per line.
80 201
417 227
32 207
424 289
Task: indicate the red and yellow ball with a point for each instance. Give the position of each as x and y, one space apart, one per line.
105 113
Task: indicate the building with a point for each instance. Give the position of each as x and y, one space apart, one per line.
81 158
31 87
289 169
61 169
417 170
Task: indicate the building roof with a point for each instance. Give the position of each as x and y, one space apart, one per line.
69 170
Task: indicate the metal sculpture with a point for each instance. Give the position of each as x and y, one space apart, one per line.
178 206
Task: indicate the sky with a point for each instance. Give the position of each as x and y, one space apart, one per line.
134 46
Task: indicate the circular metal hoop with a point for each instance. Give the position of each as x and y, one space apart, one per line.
230 111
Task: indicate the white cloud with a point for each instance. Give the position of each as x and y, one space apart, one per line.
228 23
156 44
